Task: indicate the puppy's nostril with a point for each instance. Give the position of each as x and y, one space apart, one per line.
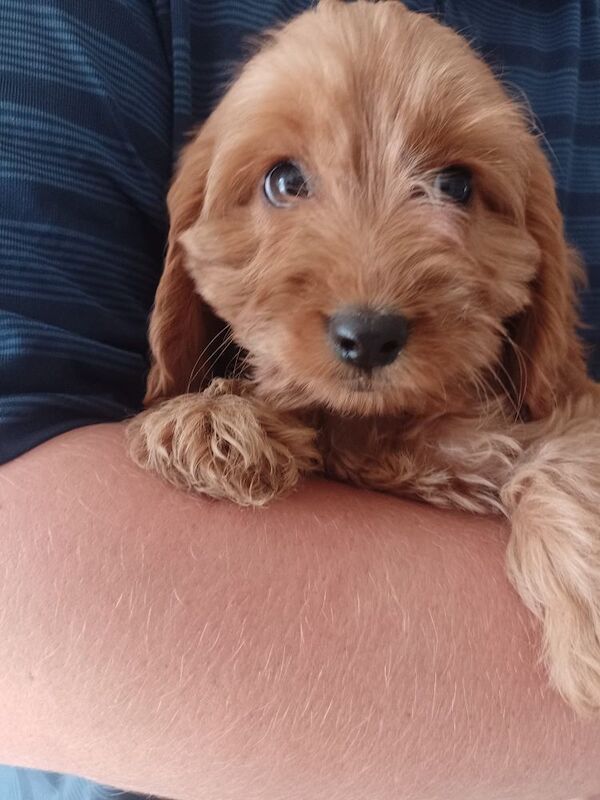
347 344
367 339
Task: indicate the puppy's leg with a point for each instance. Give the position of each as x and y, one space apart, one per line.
553 500
454 463
224 443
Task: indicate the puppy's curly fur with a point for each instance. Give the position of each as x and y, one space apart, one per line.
487 407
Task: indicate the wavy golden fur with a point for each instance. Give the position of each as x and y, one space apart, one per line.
487 407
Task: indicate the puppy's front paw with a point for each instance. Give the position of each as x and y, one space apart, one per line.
225 446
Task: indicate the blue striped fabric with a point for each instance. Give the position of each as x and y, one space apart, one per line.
95 101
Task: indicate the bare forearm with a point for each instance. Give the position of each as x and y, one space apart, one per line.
338 645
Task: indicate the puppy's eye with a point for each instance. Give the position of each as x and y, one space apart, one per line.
285 183
455 183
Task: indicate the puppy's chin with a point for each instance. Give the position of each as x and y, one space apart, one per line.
360 395
349 393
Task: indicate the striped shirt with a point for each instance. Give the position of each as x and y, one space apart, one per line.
95 100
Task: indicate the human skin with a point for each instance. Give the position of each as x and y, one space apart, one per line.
339 644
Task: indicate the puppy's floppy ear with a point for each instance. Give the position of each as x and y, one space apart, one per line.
177 331
552 365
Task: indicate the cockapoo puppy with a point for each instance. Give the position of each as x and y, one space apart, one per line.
371 216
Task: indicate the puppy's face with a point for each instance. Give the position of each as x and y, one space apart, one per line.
361 213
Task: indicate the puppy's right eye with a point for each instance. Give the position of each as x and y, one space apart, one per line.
455 183
284 184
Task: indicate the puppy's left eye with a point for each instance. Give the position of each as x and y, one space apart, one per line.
454 183
285 183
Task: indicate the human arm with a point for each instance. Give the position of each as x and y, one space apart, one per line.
338 644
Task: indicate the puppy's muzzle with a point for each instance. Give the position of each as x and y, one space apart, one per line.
367 339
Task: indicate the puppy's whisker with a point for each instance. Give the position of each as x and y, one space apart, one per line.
238 365
216 354
229 370
512 394
483 391
242 366
198 362
199 367
520 393
479 385
206 359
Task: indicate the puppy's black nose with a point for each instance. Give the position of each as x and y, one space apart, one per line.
366 339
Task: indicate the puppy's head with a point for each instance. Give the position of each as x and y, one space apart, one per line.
369 213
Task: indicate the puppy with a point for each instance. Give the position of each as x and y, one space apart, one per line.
369 213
